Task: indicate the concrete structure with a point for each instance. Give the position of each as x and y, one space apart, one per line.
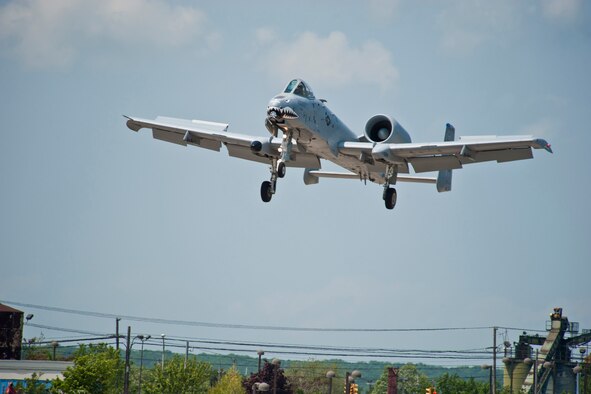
19 370
549 369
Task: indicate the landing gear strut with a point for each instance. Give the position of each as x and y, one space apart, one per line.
390 195
278 168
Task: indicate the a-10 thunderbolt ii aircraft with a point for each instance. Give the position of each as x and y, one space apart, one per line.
304 130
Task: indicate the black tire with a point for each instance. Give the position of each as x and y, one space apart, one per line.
266 193
390 198
281 169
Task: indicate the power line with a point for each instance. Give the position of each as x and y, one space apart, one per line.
247 326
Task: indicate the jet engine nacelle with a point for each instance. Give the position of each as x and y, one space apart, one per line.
385 129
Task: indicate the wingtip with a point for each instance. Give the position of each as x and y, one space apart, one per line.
545 144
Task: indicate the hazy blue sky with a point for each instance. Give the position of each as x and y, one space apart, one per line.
96 217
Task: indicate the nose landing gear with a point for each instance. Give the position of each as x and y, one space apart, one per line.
278 168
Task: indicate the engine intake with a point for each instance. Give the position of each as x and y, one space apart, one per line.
385 129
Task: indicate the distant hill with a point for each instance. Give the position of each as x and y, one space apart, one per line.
371 370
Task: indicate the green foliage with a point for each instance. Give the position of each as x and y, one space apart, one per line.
410 380
32 385
176 378
447 383
95 370
309 376
230 383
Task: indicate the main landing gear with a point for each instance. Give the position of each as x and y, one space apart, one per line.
278 168
389 195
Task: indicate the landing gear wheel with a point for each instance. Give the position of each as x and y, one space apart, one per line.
390 198
266 191
281 169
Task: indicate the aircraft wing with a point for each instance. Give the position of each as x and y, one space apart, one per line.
449 155
211 135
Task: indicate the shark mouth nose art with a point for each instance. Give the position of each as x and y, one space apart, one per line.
281 113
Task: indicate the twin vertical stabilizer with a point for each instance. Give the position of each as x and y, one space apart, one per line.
444 177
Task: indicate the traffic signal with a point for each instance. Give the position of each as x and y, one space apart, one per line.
428 390
354 389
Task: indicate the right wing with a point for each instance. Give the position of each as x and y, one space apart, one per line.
448 155
211 135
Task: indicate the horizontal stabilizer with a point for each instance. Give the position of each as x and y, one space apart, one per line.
311 177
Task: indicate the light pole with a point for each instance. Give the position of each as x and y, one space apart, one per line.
583 369
486 366
163 336
54 345
577 370
350 378
127 366
529 361
276 363
508 364
260 353
143 339
329 376
494 369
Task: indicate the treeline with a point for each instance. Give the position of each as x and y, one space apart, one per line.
245 365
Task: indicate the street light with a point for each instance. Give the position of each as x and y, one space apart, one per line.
350 378
486 366
582 350
529 361
163 336
143 339
260 353
329 376
276 363
577 370
54 344
509 365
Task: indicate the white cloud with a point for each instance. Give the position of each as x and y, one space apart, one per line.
52 33
332 59
561 10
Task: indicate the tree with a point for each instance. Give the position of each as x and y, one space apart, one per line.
33 385
176 378
447 383
309 376
95 370
266 375
230 383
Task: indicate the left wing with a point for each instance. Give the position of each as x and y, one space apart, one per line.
211 135
449 155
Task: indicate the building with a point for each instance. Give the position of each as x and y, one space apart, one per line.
18 370
11 333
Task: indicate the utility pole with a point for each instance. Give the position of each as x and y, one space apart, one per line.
117 333
163 336
186 354
127 354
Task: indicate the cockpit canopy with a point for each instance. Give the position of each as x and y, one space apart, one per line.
300 88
